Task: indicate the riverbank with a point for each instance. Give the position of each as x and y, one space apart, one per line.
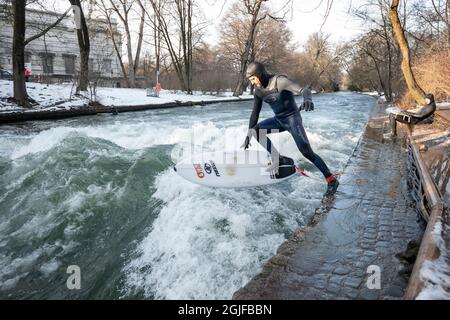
31 115
58 101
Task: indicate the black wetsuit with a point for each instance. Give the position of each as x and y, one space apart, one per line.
278 91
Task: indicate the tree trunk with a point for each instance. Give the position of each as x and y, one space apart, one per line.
389 93
416 91
20 89
387 38
131 68
377 68
447 12
164 28
181 8
112 34
189 44
248 45
184 10
157 44
140 39
84 44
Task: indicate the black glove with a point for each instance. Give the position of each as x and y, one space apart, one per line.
308 104
246 143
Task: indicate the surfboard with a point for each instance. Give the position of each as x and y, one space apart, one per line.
234 169
394 110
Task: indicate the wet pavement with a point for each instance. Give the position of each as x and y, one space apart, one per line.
370 223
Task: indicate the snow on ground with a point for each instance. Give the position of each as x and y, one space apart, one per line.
133 97
45 95
371 93
57 97
436 273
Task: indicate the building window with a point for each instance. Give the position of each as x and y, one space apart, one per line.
91 64
107 65
47 62
69 63
27 56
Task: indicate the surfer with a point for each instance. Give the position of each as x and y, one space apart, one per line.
278 91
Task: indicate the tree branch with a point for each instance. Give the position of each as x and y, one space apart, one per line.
40 34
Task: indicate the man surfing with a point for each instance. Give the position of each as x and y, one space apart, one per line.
278 91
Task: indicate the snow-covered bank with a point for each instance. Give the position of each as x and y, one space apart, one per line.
60 97
371 93
436 274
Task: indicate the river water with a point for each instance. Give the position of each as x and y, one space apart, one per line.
99 193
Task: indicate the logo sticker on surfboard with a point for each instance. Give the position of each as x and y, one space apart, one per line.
199 170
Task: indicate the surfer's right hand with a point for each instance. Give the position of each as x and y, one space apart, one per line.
308 104
246 143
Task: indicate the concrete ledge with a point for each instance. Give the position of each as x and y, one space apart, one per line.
19 116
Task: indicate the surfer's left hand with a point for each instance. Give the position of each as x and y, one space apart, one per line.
246 143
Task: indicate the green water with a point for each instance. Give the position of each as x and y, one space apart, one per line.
99 193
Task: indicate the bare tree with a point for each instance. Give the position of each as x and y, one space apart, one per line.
19 43
255 10
319 65
442 10
362 74
213 72
20 89
414 88
181 53
106 12
157 41
84 44
271 44
123 10
257 14
184 9
378 43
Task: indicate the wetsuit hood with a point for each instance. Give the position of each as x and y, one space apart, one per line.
257 69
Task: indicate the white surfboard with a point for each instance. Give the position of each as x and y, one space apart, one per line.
394 110
233 169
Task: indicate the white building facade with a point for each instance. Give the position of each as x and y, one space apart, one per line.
55 56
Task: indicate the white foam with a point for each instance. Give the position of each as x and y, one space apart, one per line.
50 267
44 141
205 243
18 267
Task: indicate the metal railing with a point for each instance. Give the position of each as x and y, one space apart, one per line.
415 185
440 172
429 202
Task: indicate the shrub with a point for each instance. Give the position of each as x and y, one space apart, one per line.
432 72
